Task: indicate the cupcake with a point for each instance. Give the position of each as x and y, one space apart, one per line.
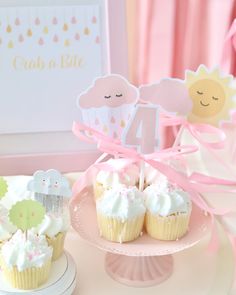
106 180
6 227
120 214
26 262
168 212
54 228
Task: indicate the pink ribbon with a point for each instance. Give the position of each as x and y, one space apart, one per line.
194 185
197 130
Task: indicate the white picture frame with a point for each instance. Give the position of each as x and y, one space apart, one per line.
25 152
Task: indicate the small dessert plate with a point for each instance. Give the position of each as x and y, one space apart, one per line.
62 280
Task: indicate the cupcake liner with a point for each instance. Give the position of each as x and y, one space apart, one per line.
115 230
169 228
30 278
57 243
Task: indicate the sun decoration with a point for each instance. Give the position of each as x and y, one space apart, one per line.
211 94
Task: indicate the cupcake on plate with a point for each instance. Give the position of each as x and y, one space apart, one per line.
54 227
120 214
168 212
6 227
106 180
26 262
52 190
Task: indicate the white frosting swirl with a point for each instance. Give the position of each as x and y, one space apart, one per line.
52 225
23 254
166 201
17 190
122 202
152 175
6 227
110 179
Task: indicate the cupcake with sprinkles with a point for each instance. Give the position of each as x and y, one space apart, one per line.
120 214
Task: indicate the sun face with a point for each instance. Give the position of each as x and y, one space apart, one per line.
211 95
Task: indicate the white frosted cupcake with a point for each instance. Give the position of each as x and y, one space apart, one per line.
25 262
120 214
168 212
6 227
106 180
54 228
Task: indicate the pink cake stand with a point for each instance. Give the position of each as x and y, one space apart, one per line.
143 262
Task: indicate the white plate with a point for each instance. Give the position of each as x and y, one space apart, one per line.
62 280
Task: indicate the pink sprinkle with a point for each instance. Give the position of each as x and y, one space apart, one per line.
97 40
21 38
37 21
30 256
55 39
94 20
73 20
113 120
54 21
77 36
17 22
41 42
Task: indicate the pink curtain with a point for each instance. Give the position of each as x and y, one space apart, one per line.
167 37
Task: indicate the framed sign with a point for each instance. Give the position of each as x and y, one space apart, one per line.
50 51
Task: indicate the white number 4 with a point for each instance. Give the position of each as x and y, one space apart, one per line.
142 129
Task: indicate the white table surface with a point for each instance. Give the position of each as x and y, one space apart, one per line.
196 271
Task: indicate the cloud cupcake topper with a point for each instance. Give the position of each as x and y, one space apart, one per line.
107 105
171 94
50 188
50 182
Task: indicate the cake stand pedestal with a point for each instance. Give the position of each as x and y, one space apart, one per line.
140 263
143 271
62 280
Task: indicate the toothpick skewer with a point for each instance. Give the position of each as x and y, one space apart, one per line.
178 137
141 176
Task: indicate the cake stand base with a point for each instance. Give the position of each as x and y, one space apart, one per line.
138 271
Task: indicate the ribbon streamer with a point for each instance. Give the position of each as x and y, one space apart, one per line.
195 184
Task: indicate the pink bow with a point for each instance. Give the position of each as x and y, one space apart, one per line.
194 185
197 130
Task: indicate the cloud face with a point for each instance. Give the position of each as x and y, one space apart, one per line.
50 182
111 91
171 94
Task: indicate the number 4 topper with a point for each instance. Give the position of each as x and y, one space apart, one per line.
142 130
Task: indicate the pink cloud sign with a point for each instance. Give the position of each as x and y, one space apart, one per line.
107 105
171 94
111 91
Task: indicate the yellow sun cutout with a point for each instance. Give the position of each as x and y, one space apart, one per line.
211 96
